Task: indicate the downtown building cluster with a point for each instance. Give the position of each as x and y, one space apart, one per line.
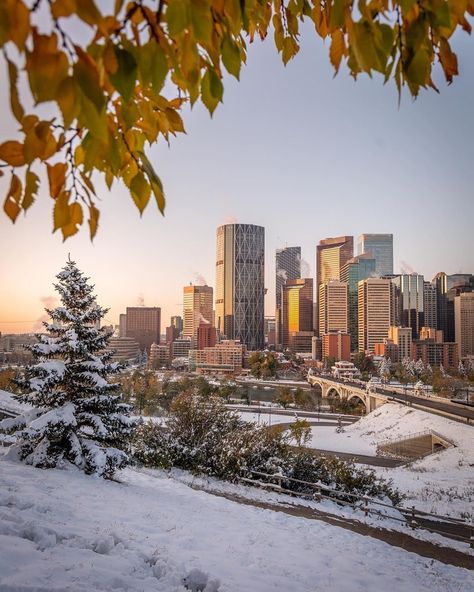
355 303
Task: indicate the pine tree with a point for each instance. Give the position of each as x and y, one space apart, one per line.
77 415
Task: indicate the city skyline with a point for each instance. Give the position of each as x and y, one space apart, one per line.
394 178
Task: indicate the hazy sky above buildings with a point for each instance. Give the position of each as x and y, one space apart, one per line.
292 149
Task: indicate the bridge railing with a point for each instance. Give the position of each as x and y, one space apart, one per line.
413 517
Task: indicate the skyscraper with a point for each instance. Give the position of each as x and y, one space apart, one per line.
376 311
430 305
287 267
297 311
409 302
331 256
333 307
177 323
197 309
380 246
240 267
447 288
143 324
464 323
356 269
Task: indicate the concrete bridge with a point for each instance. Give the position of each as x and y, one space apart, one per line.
380 394
332 388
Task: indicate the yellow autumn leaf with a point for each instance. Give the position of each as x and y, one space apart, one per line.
56 178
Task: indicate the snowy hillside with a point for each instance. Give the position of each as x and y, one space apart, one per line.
62 530
442 483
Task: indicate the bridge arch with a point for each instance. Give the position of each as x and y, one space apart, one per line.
333 392
357 400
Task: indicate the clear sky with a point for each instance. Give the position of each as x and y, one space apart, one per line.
293 149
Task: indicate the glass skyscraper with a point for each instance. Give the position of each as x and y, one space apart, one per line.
287 267
409 302
240 289
356 269
380 246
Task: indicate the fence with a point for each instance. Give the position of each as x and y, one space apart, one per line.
454 528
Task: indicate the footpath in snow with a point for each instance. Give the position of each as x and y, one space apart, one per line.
63 530
442 483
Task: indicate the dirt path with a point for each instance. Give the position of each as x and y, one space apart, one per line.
404 541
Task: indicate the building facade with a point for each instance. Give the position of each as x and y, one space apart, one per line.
297 310
380 247
376 311
430 305
336 346
356 269
447 288
409 302
197 309
402 338
331 256
143 324
464 323
206 336
240 290
333 302
224 358
287 267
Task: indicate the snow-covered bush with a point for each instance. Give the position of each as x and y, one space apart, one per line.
77 415
205 437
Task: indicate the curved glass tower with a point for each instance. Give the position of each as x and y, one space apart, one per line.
240 287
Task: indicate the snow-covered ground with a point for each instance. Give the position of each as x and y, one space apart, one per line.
442 483
61 530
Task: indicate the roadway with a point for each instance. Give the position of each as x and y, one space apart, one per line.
434 405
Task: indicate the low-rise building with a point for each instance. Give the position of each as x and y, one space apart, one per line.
225 357
336 345
343 369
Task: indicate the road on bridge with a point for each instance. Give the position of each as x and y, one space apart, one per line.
460 412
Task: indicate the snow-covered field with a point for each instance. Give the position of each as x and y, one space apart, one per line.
442 483
61 530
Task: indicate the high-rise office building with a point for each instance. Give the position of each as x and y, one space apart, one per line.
447 288
333 303
464 323
331 256
143 324
376 311
297 312
197 309
356 269
177 323
122 325
380 246
430 305
240 290
409 302
287 267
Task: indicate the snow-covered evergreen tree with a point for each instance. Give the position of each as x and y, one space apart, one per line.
77 415
419 367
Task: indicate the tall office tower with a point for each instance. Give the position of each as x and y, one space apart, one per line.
333 303
409 302
297 312
447 288
380 246
287 267
464 323
177 323
376 311
197 309
143 324
240 276
331 256
402 337
430 305
356 269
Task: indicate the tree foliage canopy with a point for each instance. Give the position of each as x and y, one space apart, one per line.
118 93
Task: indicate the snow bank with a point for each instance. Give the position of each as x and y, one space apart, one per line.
63 530
442 483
